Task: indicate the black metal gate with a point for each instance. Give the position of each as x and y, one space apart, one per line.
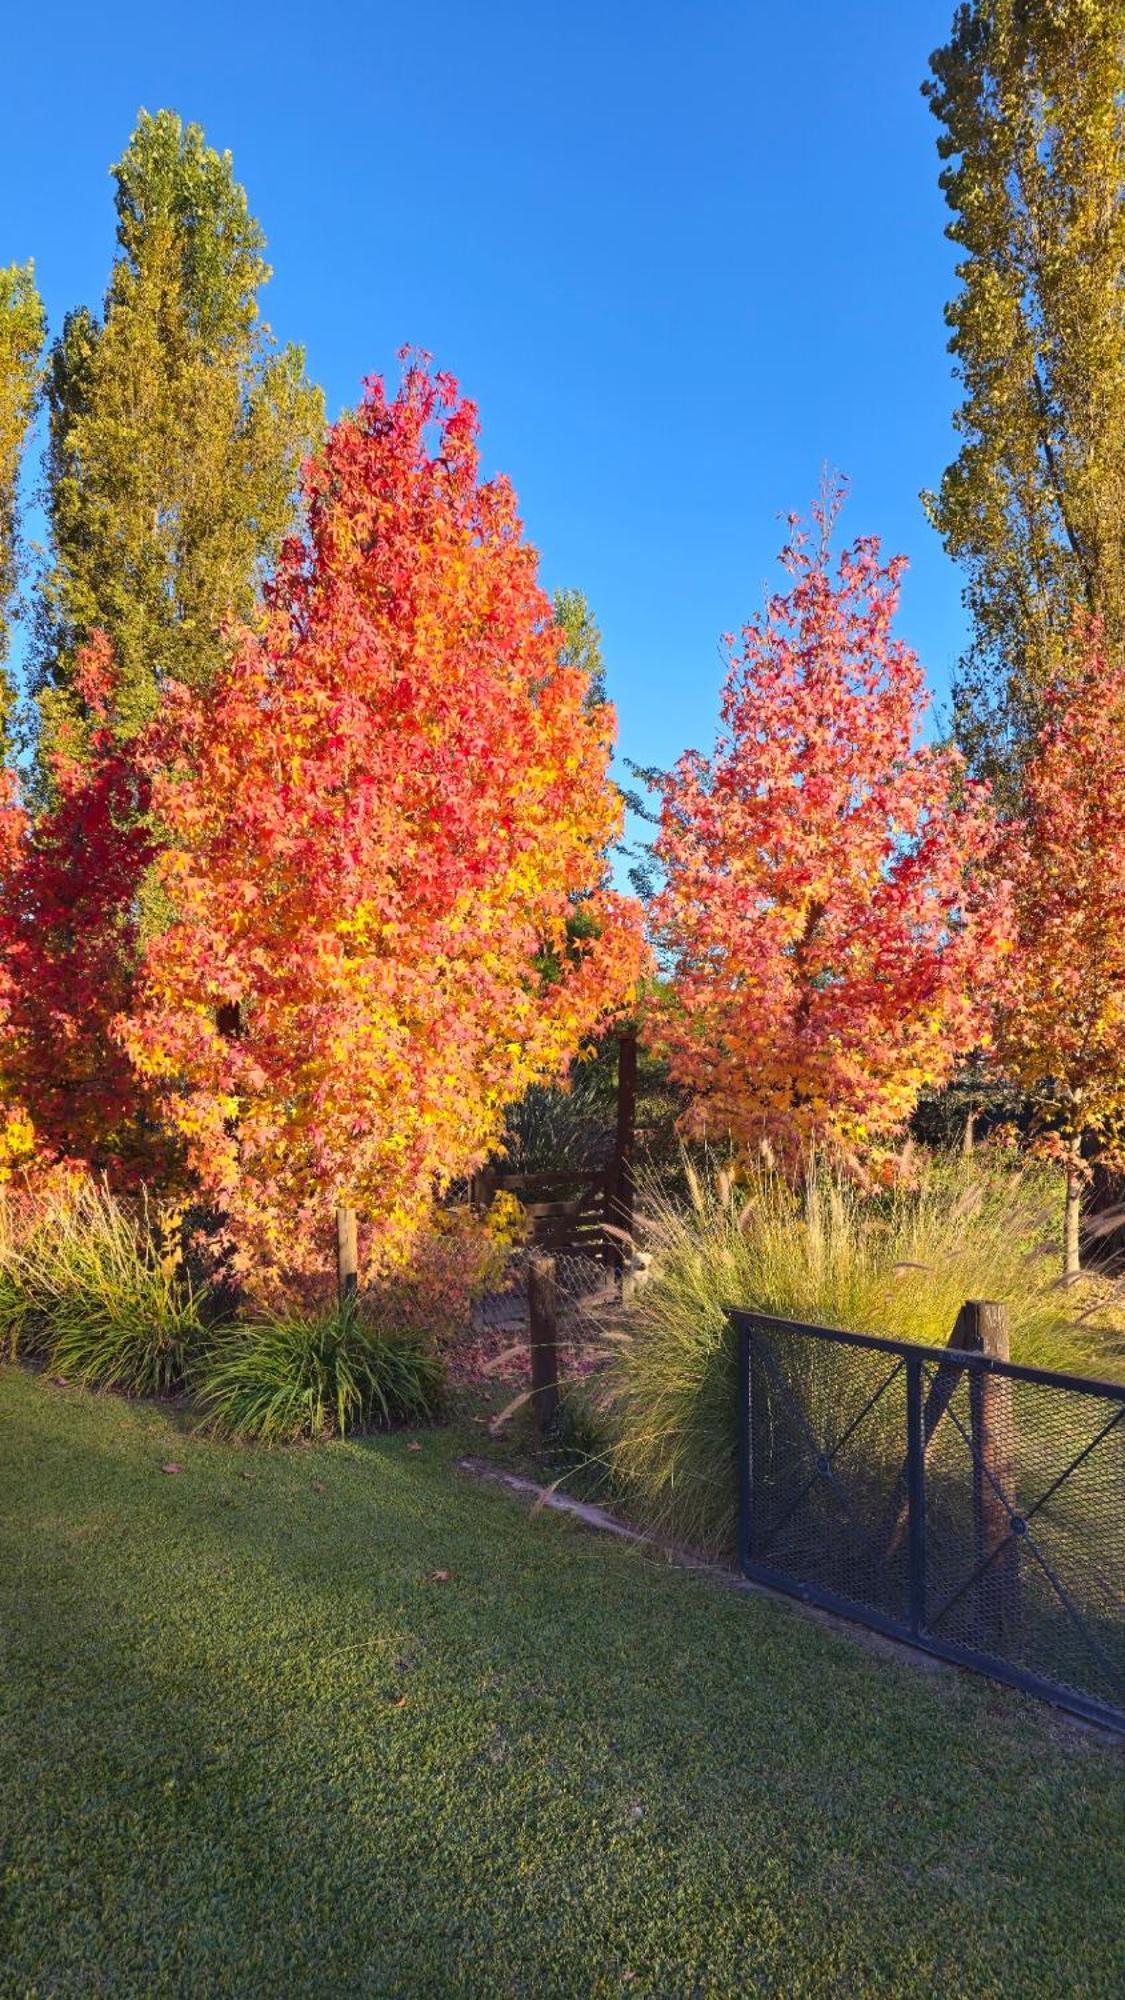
968 1505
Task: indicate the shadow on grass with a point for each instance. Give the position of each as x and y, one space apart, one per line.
255 1742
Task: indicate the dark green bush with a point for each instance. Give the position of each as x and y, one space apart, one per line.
288 1376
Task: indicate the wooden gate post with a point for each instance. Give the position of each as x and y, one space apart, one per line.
982 1328
543 1323
347 1254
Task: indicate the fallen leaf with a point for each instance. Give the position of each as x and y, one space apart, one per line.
170 1467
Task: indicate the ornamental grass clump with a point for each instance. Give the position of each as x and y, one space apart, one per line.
13 1297
286 1376
898 1263
100 1290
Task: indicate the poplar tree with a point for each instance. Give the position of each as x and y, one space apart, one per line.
1029 94
22 332
583 644
177 433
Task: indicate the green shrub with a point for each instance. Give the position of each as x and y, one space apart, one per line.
287 1377
899 1264
99 1291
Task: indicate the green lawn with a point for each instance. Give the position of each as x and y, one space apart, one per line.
249 1743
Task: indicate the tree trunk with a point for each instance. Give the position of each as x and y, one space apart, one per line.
1071 1260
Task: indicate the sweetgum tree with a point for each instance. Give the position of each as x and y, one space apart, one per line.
823 911
1061 1020
385 833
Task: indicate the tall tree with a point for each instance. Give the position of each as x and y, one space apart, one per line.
1061 1027
177 432
1031 98
374 953
828 940
583 639
22 331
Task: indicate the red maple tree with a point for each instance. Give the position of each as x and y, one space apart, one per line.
70 882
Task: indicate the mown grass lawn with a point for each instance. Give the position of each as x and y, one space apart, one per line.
252 1743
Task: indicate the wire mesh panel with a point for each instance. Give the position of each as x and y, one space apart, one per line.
972 1506
827 1431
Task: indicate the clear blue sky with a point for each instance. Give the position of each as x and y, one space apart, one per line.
681 256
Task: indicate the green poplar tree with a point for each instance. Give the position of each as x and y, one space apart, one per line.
22 332
1029 94
177 431
583 646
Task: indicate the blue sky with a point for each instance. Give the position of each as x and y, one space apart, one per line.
683 257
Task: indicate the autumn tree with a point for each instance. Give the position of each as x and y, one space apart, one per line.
821 914
1061 1025
70 912
22 331
378 821
1029 94
177 432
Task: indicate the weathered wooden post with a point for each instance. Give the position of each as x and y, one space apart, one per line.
482 1188
347 1254
543 1324
622 1179
982 1328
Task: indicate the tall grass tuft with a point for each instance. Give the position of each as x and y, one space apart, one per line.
13 1297
287 1377
101 1291
899 1263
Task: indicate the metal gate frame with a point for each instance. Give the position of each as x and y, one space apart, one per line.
913 1630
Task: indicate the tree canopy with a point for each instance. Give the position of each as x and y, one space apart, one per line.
177 433
1029 97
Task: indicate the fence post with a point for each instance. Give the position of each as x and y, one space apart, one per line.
543 1324
347 1254
982 1328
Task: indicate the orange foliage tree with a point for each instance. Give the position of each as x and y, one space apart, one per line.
823 915
1061 1022
386 830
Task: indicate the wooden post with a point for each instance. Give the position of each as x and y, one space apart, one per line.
982 1328
543 1323
347 1254
622 1180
